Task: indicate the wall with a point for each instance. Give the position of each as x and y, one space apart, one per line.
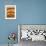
28 12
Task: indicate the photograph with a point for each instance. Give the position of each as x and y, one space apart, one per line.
28 33
10 12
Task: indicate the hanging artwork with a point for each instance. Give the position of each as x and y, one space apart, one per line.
10 12
32 32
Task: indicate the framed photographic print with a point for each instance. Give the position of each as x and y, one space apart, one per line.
33 32
10 11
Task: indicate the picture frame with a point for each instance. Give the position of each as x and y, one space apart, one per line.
10 11
36 32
